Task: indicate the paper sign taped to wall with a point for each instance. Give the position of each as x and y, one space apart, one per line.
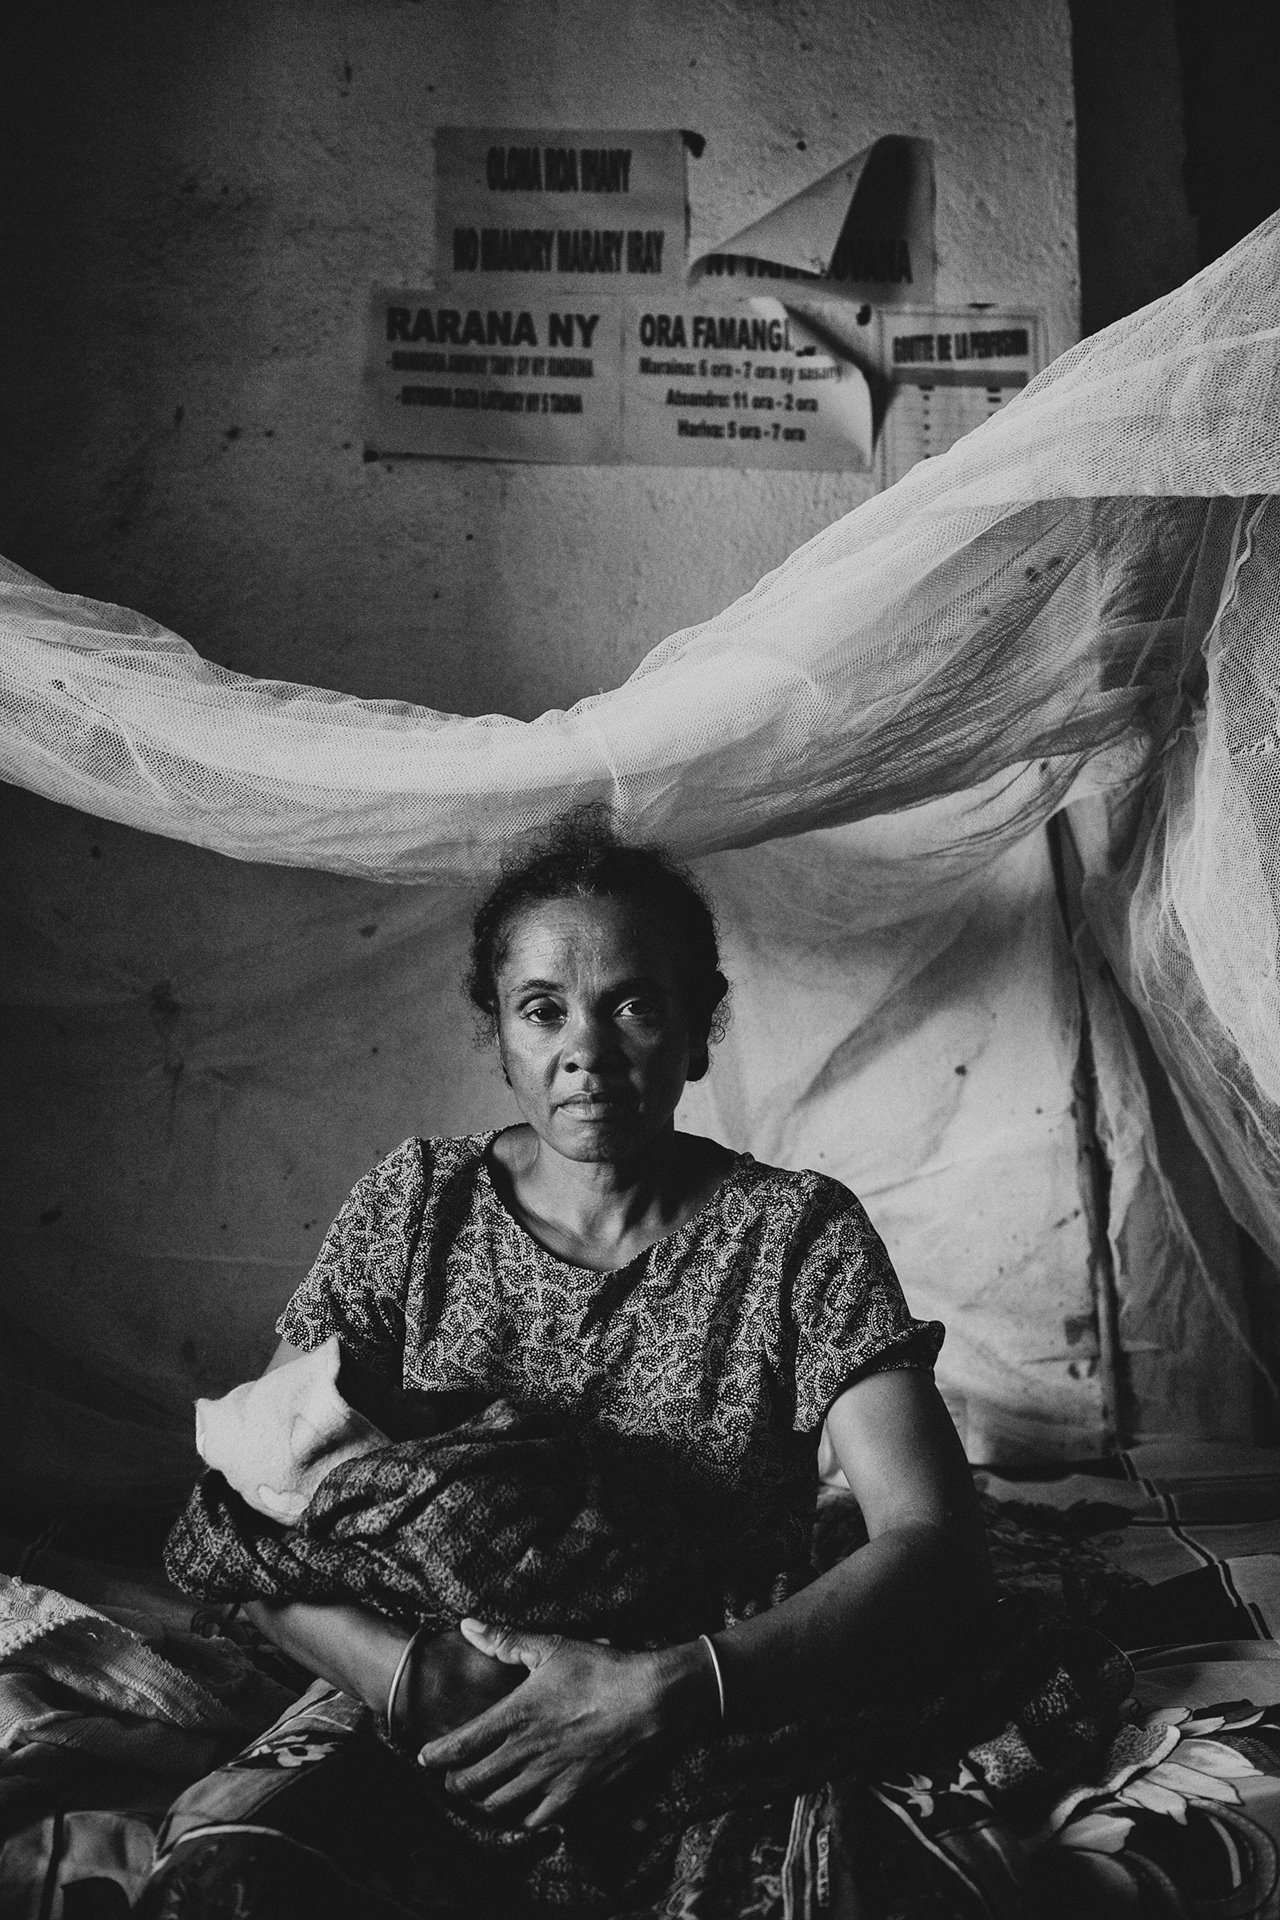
863 232
528 376
947 372
575 208
709 382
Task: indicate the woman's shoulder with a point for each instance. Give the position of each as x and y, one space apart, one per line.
802 1190
429 1151
422 1165
448 1154
793 1212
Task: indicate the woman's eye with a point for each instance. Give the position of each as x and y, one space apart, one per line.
638 1010
543 1013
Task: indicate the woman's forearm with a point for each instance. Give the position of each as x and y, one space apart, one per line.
900 1609
352 1647
589 1715
897 1606
445 1682
893 1611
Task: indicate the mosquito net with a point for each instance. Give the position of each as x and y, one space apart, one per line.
1077 608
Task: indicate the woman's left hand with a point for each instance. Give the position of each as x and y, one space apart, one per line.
586 1715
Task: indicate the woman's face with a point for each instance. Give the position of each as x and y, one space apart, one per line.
593 1027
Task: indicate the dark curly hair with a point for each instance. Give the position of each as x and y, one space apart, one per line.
582 857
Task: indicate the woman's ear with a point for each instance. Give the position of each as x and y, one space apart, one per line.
700 1048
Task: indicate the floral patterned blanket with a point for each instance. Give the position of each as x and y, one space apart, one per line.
1173 1550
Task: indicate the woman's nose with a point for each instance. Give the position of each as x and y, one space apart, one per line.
588 1044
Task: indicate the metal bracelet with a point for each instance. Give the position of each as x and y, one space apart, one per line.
710 1646
397 1679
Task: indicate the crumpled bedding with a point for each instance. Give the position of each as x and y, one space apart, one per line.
103 1714
76 1677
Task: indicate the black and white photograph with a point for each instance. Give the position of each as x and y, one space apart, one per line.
640 960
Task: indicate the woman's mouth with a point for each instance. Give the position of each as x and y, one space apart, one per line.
593 1106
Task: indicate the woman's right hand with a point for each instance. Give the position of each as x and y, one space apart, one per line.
449 1681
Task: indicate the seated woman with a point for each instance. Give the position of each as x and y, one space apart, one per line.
708 1312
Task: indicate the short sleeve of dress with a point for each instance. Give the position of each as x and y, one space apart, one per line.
358 1284
849 1315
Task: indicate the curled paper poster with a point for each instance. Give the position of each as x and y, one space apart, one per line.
863 231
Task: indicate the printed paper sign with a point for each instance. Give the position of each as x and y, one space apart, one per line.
947 372
581 209
529 377
710 383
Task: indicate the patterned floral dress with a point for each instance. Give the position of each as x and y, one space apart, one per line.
715 1353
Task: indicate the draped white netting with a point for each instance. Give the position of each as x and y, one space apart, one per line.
1091 577
1027 595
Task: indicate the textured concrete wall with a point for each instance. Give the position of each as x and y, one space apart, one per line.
205 193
